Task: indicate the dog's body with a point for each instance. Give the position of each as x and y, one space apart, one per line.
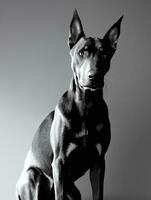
75 136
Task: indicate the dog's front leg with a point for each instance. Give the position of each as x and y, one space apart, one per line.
58 177
58 140
97 178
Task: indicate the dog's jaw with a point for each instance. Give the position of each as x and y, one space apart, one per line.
90 88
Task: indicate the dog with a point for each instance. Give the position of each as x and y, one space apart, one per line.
75 136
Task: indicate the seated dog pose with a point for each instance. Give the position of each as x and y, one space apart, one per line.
75 136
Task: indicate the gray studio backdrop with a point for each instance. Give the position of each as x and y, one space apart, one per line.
35 71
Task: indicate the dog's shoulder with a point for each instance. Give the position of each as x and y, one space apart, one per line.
66 103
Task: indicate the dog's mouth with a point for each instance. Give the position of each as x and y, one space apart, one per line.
92 87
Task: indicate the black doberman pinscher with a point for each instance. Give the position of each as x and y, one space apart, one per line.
75 136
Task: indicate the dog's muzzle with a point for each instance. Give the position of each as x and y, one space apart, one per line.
93 82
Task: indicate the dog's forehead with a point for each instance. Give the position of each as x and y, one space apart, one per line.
89 41
93 42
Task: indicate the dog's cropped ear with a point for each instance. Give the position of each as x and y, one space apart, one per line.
111 37
76 30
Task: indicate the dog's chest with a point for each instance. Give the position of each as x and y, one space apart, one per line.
84 142
81 151
78 141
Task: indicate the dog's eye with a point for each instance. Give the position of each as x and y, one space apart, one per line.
81 53
84 51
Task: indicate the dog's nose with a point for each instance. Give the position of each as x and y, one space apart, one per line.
91 75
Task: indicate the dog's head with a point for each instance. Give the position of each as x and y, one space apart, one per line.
90 57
